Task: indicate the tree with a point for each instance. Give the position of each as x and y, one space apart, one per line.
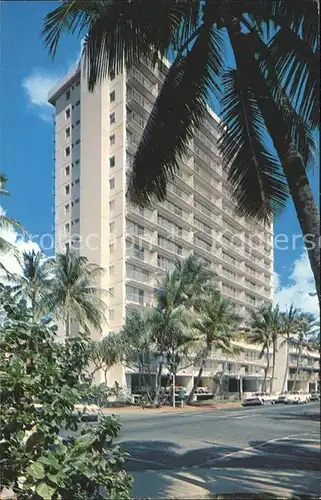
74 294
139 351
171 325
266 326
306 325
5 222
255 103
41 381
34 281
214 326
289 325
106 353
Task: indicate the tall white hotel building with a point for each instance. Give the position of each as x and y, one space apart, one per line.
96 135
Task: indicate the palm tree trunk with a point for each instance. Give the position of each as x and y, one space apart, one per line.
197 380
297 366
158 382
286 365
292 162
266 369
273 369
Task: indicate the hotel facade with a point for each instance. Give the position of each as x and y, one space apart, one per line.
96 135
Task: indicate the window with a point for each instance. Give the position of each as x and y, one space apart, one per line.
112 205
112 183
112 140
67 170
67 208
111 270
111 248
67 113
111 314
67 95
67 151
112 161
111 227
111 291
112 118
112 96
67 228
67 189
67 132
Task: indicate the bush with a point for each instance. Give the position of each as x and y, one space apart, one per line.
40 383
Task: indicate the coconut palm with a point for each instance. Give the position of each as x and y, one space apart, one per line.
306 325
255 103
266 327
289 325
33 282
138 349
74 294
214 327
171 324
6 223
196 279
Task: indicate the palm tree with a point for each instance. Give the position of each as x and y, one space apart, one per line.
266 326
171 325
306 325
289 321
6 223
214 326
74 294
33 283
139 351
260 96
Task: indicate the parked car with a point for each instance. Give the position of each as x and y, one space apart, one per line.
258 398
202 390
281 398
296 397
314 396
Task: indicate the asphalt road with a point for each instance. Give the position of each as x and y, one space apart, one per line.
250 451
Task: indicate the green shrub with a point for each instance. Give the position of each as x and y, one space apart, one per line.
40 382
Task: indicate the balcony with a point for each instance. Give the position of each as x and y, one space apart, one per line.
209 129
139 103
136 122
145 86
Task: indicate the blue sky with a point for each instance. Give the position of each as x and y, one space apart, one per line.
26 134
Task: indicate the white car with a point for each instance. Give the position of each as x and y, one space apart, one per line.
296 397
258 398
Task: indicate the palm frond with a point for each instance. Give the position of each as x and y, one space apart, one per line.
178 110
299 70
254 172
73 16
298 127
124 33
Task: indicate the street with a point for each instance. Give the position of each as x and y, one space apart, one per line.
254 450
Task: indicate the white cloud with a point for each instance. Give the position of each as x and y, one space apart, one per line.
37 86
297 291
